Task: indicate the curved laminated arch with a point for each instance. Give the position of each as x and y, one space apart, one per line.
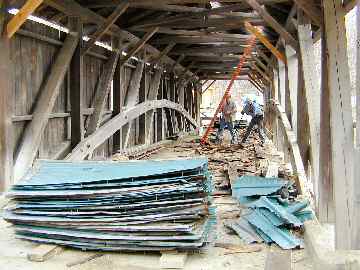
89 144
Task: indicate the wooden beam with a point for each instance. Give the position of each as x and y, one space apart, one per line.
349 5
356 226
164 52
6 108
293 76
311 10
152 95
274 24
109 128
15 23
325 201
118 98
178 62
199 15
262 73
76 85
207 88
341 117
265 41
120 9
312 92
132 97
31 138
290 140
71 7
138 46
182 2
102 92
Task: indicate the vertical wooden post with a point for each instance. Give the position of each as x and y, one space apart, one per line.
342 135
6 101
325 206
76 85
356 227
292 67
173 99
151 95
142 98
288 101
159 125
132 97
118 100
282 80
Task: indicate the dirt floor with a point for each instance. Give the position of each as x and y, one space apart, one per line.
251 160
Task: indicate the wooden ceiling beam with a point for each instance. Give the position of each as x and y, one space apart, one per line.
210 49
70 7
274 24
165 51
15 23
236 22
199 40
120 9
181 2
138 46
311 10
266 42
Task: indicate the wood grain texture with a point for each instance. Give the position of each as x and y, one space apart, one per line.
6 110
342 136
117 122
31 138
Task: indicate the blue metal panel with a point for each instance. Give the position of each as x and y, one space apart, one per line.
281 237
137 205
255 185
62 172
280 211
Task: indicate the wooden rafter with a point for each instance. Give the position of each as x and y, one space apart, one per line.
207 88
266 42
274 24
15 23
120 9
138 46
311 10
164 52
72 8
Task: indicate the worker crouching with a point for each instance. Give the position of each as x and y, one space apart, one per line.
226 120
253 109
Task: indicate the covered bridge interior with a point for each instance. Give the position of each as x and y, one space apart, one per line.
85 79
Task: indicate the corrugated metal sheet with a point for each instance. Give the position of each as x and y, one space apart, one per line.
244 230
279 211
282 237
248 185
138 205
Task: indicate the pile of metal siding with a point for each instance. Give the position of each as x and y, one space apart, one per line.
135 205
269 217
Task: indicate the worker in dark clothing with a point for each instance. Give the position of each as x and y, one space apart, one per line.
228 113
255 111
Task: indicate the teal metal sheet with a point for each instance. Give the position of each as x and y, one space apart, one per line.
248 185
282 237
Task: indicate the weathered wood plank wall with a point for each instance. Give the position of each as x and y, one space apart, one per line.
31 60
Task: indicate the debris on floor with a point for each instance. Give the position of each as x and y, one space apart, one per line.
134 205
272 213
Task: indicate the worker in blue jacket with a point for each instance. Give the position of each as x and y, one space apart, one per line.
253 109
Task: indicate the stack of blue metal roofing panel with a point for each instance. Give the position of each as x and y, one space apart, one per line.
269 217
135 205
